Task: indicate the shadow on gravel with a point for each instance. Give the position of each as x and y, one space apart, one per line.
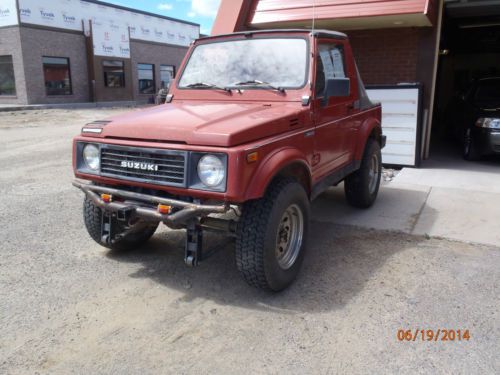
339 262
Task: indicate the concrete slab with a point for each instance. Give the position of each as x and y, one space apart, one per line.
469 216
396 208
454 173
456 214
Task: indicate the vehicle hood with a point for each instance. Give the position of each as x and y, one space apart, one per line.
202 123
488 107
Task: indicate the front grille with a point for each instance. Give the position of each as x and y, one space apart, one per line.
162 167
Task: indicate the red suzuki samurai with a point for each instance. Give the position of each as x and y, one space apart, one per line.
256 125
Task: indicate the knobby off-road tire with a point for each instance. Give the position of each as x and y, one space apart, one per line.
361 187
271 236
92 216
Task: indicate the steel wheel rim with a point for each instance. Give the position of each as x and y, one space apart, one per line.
289 237
373 174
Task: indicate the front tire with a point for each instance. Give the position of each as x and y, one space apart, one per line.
271 236
92 216
470 150
361 187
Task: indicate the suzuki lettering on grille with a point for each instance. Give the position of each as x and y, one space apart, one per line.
139 166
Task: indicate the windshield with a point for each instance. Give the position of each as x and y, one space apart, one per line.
249 63
488 91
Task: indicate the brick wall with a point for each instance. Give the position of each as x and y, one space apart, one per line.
10 40
391 56
36 43
386 56
28 45
157 54
112 94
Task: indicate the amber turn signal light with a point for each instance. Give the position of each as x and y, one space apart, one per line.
252 157
106 198
164 209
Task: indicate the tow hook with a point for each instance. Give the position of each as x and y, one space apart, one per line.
107 233
125 214
194 243
107 228
194 253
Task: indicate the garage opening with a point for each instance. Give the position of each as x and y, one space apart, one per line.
468 81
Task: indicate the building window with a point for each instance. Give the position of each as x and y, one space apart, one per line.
114 73
7 81
57 75
167 74
145 73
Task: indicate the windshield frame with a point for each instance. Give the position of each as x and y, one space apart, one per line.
247 87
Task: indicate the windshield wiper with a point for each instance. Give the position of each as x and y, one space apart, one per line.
255 82
200 85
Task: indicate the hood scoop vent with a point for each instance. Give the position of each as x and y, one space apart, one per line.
294 122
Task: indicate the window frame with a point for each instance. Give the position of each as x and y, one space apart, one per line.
104 73
13 76
308 59
69 76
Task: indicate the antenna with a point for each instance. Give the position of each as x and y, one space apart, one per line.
314 16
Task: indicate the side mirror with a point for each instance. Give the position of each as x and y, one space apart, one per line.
337 87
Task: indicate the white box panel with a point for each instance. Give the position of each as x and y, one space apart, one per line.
400 116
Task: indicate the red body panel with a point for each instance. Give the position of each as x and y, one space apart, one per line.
220 123
317 140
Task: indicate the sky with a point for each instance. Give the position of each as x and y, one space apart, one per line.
202 12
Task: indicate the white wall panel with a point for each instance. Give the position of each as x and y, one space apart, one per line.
64 14
400 117
110 39
68 14
8 13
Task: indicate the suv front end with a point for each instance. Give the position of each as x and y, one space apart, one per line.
141 180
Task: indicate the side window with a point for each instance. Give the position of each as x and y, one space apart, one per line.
114 73
167 73
330 64
7 81
146 74
57 75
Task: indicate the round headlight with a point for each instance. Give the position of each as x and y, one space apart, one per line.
211 170
91 156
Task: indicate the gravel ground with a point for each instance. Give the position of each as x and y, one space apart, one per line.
68 306
388 175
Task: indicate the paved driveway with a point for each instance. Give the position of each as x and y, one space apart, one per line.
68 306
448 197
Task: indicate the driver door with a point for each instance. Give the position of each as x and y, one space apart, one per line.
333 115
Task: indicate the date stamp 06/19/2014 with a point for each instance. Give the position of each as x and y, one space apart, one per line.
433 335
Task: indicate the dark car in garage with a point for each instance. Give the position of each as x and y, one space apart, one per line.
474 118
